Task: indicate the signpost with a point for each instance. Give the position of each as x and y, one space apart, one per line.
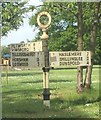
32 58
46 68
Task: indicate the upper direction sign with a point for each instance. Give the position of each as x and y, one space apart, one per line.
70 58
27 47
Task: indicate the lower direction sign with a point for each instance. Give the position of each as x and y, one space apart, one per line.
27 59
70 58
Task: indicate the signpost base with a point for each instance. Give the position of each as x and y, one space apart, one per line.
46 103
46 97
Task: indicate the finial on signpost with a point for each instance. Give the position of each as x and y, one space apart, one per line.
44 26
46 68
44 35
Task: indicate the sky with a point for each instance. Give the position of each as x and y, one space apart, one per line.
24 32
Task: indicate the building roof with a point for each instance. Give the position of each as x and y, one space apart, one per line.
6 56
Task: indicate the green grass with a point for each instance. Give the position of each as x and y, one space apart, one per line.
22 96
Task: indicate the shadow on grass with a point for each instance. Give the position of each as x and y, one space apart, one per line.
33 108
83 100
50 119
27 92
22 74
79 101
51 81
67 68
28 103
73 108
87 97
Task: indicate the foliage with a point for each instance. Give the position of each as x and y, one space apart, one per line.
5 50
63 29
12 15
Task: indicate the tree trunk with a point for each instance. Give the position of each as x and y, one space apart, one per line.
80 47
0 42
92 45
0 61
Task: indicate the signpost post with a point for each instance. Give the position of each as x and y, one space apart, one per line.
46 68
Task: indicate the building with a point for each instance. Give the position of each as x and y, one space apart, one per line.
6 59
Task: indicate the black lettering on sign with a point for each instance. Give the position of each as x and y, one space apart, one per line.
70 54
37 61
87 57
20 59
70 58
22 64
69 63
23 54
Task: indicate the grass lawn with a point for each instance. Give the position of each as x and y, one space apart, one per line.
22 96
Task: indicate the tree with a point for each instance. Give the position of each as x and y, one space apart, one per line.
63 31
80 47
12 15
5 50
93 43
12 18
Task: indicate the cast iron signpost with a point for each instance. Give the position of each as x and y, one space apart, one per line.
23 56
46 68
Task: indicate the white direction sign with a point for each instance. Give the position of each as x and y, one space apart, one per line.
27 59
70 58
57 59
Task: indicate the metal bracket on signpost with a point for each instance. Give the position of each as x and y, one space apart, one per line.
46 68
